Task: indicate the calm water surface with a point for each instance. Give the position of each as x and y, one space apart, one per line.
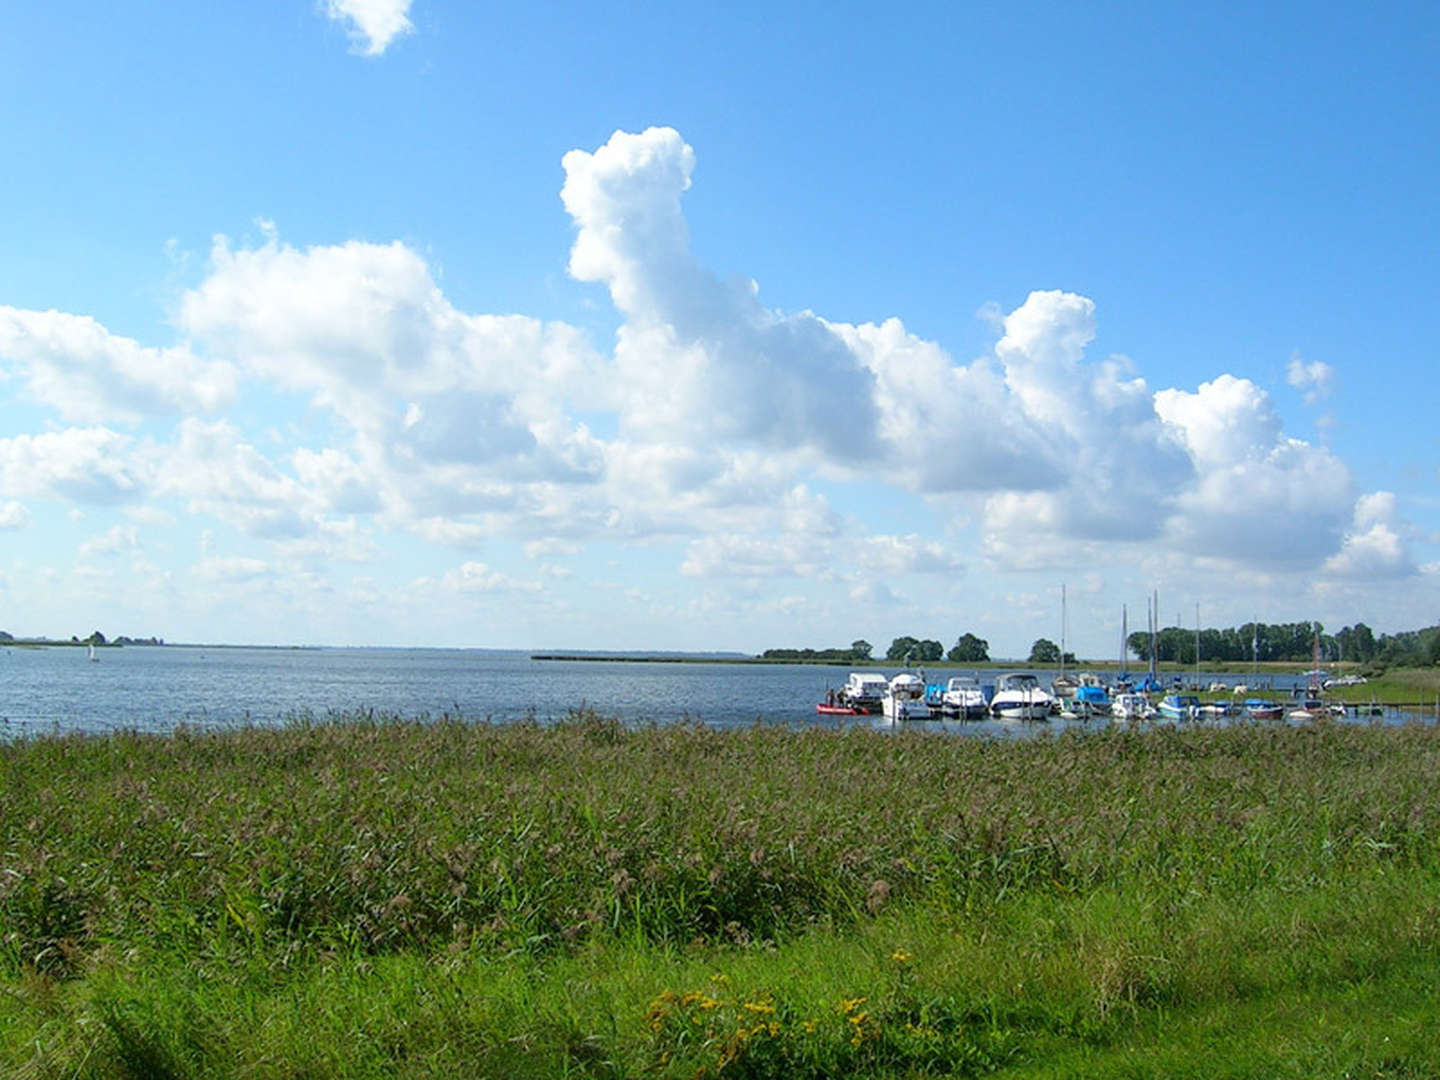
44 690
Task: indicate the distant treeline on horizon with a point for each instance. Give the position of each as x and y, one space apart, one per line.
1262 642
95 638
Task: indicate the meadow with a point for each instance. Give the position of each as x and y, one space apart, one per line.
370 897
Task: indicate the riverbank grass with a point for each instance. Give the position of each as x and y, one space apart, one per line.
384 899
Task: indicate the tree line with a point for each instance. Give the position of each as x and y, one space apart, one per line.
1287 642
1290 642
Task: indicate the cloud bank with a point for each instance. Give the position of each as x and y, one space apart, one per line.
745 441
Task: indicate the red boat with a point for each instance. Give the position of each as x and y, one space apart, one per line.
838 710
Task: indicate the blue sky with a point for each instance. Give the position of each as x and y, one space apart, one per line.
715 327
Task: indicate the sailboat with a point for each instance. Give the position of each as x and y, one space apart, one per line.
1314 706
1063 685
1122 677
93 658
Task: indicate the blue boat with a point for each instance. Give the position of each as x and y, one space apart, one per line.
1180 706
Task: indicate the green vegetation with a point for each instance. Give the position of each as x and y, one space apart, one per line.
1294 642
383 898
907 650
857 653
1044 651
969 649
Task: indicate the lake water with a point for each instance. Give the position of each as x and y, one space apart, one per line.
46 690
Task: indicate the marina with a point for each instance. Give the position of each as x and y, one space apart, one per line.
59 690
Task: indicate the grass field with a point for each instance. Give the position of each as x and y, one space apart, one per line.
377 898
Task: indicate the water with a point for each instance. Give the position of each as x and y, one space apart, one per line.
46 690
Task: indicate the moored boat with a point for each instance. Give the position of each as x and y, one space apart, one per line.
1180 706
904 698
963 697
863 691
1018 696
1261 709
1131 706
1092 694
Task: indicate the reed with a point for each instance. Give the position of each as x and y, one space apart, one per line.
369 896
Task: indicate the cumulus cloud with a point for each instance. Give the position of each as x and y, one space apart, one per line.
221 474
699 361
745 438
438 400
88 375
85 465
372 24
1260 498
1373 547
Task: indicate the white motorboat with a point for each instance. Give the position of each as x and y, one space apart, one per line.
1018 696
1131 707
863 690
963 697
904 698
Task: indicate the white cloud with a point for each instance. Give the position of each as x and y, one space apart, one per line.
119 538
373 24
438 400
909 554
13 515
232 570
550 547
88 375
86 465
1260 499
477 577
1313 379
1373 548
221 474
753 557
700 362
760 445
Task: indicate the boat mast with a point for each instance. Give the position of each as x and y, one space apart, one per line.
1124 639
1154 626
1062 631
1197 644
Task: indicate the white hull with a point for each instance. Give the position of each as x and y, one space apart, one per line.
1017 697
1020 709
904 709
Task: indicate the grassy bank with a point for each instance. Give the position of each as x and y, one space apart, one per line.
373 898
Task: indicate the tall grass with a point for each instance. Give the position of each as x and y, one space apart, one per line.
375 897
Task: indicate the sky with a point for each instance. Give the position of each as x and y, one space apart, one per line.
716 327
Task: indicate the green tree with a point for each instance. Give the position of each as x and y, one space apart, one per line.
1044 651
970 649
902 647
929 651
861 649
